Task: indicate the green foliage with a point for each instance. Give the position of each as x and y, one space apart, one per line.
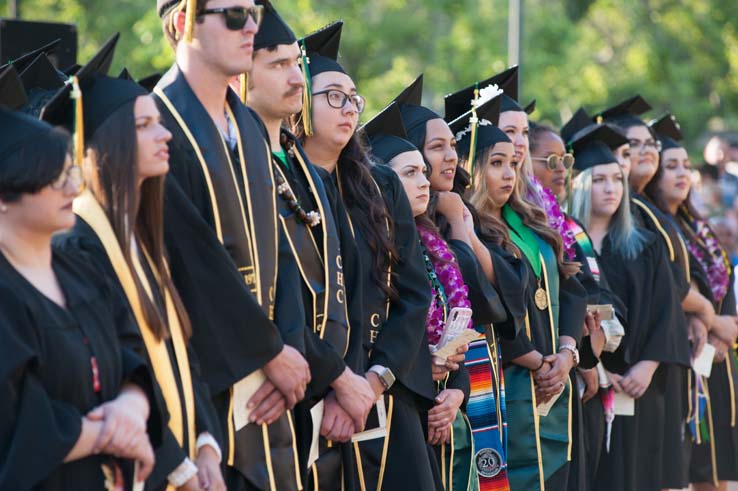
682 55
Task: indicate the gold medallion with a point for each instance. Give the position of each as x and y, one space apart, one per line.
541 299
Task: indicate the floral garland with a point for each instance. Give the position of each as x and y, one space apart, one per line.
704 246
556 218
448 274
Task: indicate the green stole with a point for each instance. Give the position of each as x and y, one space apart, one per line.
533 460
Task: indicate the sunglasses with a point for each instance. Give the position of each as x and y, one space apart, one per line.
237 17
553 161
337 99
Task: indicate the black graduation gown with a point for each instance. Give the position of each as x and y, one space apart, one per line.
635 458
81 240
399 343
208 215
723 399
676 445
46 376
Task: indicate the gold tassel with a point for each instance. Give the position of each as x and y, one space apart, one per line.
243 80
599 119
474 120
79 124
190 12
307 94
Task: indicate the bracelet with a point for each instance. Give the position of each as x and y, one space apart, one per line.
543 362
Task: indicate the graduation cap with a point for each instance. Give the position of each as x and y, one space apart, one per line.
319 55
273 30
23 61
531 107
477 130
594 145
668 131
41 81
386 134
579 120
414 114
19 130
625 113
12 92
150 81
188 6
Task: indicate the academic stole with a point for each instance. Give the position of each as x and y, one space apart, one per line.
581 238
487 415
87 208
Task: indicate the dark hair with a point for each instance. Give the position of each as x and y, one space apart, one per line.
360 193
111 174
535 132
34 166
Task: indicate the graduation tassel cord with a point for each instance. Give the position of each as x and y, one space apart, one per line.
307 94
79 125
474 120
190 12
243 92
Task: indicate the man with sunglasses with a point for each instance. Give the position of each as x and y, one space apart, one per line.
275 91
246 319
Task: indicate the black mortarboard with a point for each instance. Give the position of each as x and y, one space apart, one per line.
19 130
150 82
321 48
54 111
668 131
594 145
414 114
579 120
386 134
530 108
625 113
189 7
273 30
12 93
458 105
41 81
101 97
487 132
23 61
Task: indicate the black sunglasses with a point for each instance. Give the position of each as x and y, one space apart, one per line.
237 17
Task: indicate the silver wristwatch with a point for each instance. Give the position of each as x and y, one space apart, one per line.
385 375
574 352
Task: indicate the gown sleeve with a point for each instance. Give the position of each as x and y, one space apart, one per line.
29 419
511 277
486 303
402 344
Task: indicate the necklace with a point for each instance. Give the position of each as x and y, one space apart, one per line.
310 218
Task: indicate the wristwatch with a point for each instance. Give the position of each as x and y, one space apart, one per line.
385 375
574 352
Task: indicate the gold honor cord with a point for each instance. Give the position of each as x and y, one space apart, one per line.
87 207
536 418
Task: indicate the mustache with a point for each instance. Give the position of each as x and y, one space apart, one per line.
294 91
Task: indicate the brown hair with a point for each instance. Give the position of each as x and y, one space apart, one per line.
496 231
110 172
167 19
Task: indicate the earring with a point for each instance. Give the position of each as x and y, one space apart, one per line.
3 209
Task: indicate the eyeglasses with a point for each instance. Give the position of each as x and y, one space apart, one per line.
72 174
237 17
553 161
636 145
337 99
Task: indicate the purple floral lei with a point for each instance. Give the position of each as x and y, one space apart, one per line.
449 275
556 218
711 256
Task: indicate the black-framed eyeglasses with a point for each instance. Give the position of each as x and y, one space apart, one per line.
637 145
337 99
237 17
553 161
72 174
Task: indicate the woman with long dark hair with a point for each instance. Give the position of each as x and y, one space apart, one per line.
75 402
538 360
394 355
714 459
120 229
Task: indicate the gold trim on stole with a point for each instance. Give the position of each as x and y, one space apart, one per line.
658 226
